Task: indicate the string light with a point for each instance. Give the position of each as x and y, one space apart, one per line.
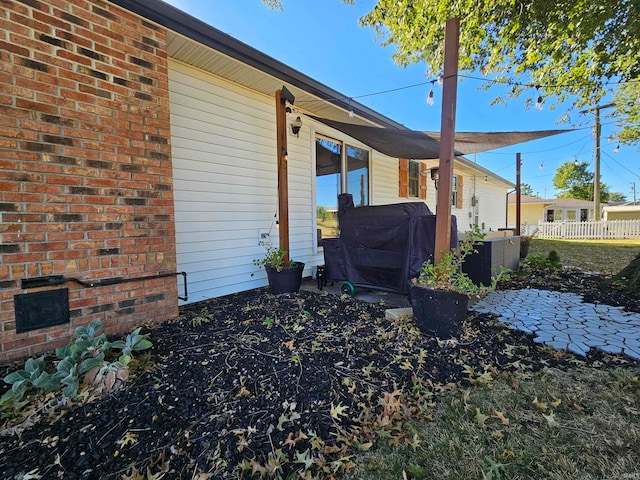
430 96
617 149
576 162
539 101
351 113
541 165
440 79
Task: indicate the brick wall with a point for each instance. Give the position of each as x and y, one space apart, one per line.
85 165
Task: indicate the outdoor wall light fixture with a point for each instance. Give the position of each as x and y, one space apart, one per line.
296 125
435 176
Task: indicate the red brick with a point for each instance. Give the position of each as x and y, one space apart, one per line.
109 137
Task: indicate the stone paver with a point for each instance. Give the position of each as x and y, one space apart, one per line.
564 322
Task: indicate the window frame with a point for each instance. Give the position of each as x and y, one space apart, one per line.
413 180
344 146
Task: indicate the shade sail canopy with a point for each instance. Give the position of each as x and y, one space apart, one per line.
419 145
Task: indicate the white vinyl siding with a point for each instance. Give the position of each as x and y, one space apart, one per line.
223 144
225 182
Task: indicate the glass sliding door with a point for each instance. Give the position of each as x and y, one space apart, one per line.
340 168
358 175
328 184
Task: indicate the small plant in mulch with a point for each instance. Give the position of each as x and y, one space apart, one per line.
89 360
447 274
552 260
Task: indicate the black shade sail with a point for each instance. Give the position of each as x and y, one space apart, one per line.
419 145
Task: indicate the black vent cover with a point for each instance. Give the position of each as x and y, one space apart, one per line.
41 309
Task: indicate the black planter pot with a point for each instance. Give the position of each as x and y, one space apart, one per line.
287 280
438 312
524 250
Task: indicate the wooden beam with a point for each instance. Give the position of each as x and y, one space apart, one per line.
447 137
283 181
518 193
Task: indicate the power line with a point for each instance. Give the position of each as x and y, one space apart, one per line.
620 165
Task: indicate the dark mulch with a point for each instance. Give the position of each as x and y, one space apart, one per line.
258 384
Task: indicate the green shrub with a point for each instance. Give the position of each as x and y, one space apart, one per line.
86 353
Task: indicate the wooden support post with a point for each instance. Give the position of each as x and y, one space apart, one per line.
447 138
518 193
283 181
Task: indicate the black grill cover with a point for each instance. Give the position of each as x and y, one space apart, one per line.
383 246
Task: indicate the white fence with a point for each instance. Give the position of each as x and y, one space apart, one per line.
593 230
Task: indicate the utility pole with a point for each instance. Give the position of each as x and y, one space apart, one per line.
597 132
633 187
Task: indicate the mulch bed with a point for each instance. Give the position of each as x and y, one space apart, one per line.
269 386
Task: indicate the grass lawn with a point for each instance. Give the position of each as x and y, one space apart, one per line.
577 422
607 257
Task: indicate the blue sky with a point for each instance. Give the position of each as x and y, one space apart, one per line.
322 39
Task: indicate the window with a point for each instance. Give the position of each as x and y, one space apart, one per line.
584 214
456 191
554 215
339 169
358 175
414 179
572 215
549 215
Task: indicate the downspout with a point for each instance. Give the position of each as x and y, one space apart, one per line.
506 216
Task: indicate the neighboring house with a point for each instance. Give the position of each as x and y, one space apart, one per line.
621 212
138 141
535 209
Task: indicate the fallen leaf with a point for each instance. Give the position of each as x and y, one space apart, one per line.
500 416
481 418
539 405
551 419
338 410
127 439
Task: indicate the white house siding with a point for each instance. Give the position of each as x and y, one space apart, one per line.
225 182
491 201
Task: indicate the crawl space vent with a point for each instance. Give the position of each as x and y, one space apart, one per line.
41 309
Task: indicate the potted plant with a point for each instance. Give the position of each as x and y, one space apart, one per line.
285 276
525 243
441 293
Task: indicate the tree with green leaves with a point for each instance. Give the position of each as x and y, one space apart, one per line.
574 49
617 197
571 49
526 189
576 181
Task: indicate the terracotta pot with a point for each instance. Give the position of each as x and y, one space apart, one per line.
438 312
287 280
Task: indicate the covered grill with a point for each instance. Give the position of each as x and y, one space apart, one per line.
382 246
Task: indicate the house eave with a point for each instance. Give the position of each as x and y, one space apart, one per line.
189 27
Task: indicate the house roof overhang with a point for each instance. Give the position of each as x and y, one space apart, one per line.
193 42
